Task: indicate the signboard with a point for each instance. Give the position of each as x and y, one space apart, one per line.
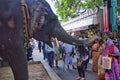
105 17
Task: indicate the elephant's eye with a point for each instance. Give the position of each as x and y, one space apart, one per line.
11 23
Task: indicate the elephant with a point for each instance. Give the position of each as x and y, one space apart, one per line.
43 24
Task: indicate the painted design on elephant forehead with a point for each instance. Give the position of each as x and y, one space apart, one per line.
39 23
11 23
38 6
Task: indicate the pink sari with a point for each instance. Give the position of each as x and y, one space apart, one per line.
114 73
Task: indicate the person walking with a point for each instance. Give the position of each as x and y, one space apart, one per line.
32 43
68 57
45 55
81 63
39 46
56 47
112 52
60 49
101 70
95 55
50 51
29 52
84 36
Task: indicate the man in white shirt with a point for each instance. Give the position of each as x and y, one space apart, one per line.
68 51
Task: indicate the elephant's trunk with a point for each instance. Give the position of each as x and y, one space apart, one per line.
62 35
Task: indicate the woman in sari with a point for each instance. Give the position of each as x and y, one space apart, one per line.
95 55
101 71
56 55
112 51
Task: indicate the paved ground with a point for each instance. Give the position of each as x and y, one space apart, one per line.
66 74
72 74
37 56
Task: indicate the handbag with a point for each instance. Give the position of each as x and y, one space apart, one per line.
101 76
106 62
101 70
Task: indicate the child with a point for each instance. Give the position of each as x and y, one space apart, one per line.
82 61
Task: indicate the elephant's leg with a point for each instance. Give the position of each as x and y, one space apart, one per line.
18 63
19 66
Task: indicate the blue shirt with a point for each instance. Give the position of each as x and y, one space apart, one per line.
49 49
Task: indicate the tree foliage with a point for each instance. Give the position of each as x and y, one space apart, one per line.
67 9
118 5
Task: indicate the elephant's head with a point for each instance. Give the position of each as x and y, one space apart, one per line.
45 24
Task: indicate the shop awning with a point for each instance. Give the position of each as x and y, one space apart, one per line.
79 28
81 24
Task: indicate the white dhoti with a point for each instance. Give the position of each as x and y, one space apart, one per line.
68 59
